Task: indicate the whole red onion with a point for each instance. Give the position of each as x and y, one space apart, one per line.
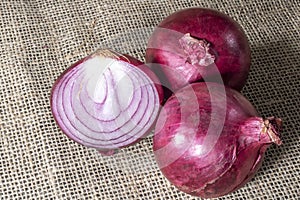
197 44
106 101
210 141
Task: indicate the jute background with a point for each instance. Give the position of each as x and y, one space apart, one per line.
39 39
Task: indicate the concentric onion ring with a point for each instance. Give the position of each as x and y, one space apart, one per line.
105 101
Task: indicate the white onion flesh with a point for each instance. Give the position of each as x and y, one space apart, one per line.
105 103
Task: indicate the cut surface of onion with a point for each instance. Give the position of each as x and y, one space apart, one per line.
105 102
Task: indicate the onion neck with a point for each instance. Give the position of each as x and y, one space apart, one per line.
197 51
272 127
259 131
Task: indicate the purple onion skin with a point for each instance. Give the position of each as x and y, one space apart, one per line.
237 152
227 44
118 57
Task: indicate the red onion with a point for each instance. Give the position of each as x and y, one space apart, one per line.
210 141
106 101
198 43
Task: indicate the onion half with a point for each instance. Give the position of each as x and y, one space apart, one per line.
106 101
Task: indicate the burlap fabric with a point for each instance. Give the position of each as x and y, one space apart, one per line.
39 39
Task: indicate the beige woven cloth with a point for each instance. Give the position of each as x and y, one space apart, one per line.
41 38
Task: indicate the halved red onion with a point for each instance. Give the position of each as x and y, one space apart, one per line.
106 101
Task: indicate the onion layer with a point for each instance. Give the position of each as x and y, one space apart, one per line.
106 101
209 140
197 43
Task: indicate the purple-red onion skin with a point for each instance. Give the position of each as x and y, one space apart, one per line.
227 42
233 157
63 81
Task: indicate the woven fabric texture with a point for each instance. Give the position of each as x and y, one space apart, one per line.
39 39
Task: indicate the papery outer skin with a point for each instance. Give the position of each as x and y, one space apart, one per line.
225 36
117 56
234 159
